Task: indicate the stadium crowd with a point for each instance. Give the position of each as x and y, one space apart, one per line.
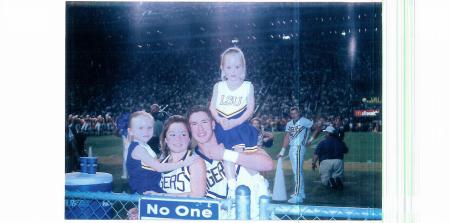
177 79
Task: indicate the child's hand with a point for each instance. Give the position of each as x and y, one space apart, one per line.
190 160
222 121
231 123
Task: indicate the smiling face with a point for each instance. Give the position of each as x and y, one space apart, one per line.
233 67
141 128
201 126
177 137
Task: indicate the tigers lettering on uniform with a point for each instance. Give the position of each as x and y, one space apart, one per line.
175 182
215 174
216 182
178 180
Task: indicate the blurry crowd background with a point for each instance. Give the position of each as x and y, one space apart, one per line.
124 57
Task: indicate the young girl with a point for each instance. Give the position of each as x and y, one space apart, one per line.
142 165
232 104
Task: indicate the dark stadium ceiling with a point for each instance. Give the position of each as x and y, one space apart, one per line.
156 24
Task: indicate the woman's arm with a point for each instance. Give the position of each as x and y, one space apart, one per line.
141 154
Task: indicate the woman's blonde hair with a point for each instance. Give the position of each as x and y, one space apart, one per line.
232 50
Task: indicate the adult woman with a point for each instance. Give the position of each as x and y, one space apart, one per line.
189 181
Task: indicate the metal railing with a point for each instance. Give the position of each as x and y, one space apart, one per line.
105 205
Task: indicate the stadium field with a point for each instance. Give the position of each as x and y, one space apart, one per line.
362 169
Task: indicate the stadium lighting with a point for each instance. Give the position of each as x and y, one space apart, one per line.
343 33
352 48
235 41
286 37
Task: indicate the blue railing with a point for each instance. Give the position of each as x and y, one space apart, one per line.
103 205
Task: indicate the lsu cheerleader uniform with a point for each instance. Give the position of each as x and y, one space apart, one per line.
231 104
141 177
216 180
178 180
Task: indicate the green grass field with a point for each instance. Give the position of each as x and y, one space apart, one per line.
362 169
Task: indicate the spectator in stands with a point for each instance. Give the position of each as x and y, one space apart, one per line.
117 96
265 139
72 163
160 117
339 127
